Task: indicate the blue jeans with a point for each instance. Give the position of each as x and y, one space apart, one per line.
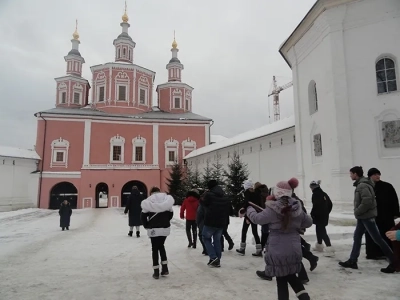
369 225
213 249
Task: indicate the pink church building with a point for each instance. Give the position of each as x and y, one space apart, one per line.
119 139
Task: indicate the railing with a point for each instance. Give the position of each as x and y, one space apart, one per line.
120 167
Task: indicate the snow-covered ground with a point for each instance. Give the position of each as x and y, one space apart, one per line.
97 260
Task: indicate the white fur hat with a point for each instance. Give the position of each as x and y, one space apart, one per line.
247 184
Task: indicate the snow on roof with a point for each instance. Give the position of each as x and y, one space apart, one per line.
215 138
18 153
245 136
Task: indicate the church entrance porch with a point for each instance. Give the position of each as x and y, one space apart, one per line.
127 188
101 195
63 191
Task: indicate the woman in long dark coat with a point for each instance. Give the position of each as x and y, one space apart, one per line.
65 213
388 209
133 206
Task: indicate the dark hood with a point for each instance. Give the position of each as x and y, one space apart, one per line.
217 191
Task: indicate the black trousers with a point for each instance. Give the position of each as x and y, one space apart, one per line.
295 283
191 227
227 237
157 246
254 228
322 235
264 234
372 249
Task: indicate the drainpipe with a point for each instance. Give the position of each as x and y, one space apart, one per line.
43 156
209 132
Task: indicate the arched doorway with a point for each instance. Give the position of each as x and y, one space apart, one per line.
63 191
127 188
101 195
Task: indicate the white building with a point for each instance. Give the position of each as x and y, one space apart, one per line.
18 178
344 58
259 149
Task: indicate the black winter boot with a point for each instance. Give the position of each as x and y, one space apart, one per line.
303 295
242 249
262 275
130 233
156 274
67 227
164 268
389 269
63 228
137 233
313 262
349 264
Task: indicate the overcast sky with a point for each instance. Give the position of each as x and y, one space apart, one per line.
229 49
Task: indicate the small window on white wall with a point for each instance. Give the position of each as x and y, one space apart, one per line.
312 97
59 153
386 75
171 151
139 150
117 145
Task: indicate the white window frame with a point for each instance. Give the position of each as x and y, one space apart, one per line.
122 79
117 141
77 89
59 145
62 88
385 69
98 93
171 145
79 99
126 92
188 145
139 142
180 102
145 89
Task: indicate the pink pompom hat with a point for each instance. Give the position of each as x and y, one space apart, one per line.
283 188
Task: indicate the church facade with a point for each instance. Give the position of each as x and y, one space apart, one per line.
119 139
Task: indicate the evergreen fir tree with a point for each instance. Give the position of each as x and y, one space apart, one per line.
176 183
218 172
207 174
236 174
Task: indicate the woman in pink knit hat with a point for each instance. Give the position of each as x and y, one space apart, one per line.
285 218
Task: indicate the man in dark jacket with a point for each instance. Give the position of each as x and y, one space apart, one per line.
135 210
215 220
365 212
388 210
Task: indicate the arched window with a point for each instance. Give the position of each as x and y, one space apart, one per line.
386 75
312 97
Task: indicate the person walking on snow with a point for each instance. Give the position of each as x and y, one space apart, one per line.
156 217
250 196
200 222
134 209
65 213
286 218
215 220
388 210
365 212
322 207
190 205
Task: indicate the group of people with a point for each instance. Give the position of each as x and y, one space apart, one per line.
283 219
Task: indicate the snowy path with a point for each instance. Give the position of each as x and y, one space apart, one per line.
97 260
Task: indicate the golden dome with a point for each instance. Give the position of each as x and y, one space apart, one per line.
174 44
125 18
75 35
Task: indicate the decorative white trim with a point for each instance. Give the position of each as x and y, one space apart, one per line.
61 174
188 145
117 141
77 88
384 116
60 93
120 167
86 200
122 76
139 142
86 141
174 104
171 145
155 143
123 66
116 200
59 145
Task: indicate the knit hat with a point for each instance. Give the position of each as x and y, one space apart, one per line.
247 184
315 184
284 188
373 171
212 183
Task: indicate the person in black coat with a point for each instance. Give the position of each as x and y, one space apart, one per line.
322 207
225 233
65 213
388 210
135 210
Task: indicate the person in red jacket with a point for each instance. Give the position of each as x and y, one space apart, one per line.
190 205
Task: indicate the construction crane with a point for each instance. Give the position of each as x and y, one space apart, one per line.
275 92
